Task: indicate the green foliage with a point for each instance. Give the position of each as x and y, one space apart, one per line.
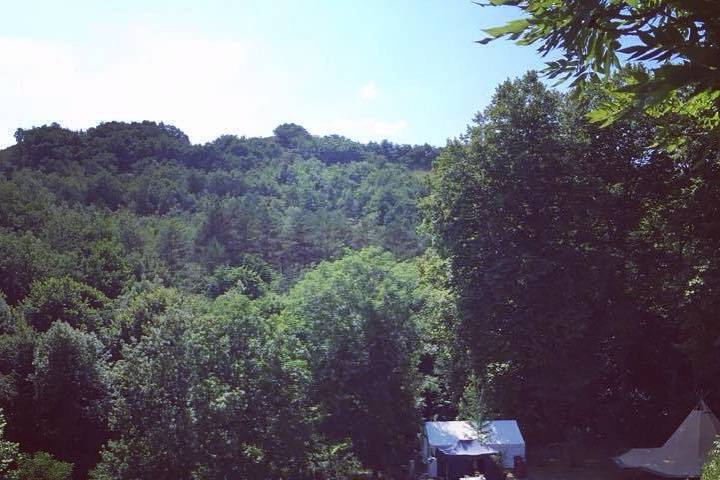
355 318
232 197
6 316
679 36
105 190
290 135
241 278
105 268
8 450
472 406
208 396
174 243
23 205
711 468
414 157
17 349
48 147
62 299
443 357
21 466
41 466
677 39
335 462
68 229
160 189
124 248
71 387
23 259
538 214
133 312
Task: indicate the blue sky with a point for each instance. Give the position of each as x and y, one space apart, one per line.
406 70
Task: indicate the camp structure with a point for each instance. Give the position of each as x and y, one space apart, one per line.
684 453
456 448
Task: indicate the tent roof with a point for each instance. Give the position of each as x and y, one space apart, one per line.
684 453
495 432
467 447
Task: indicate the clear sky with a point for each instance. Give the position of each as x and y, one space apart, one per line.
406 70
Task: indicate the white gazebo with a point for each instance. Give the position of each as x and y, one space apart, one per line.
460 439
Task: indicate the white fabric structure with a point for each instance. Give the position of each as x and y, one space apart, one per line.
461 438
684 453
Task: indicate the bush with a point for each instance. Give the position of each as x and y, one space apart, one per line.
41 466
711 469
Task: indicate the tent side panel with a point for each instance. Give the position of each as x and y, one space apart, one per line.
509 452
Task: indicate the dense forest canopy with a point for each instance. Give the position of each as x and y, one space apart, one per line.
129 255
294 307
141 196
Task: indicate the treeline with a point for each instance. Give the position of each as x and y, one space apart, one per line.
586 254
142 198
586 261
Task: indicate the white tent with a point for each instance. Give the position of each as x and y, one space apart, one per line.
683 455
461 438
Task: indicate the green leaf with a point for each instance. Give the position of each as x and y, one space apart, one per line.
515 26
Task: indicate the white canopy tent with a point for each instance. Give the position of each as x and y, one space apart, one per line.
461 438
684 453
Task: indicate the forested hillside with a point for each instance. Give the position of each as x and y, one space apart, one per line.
151 303
142 196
